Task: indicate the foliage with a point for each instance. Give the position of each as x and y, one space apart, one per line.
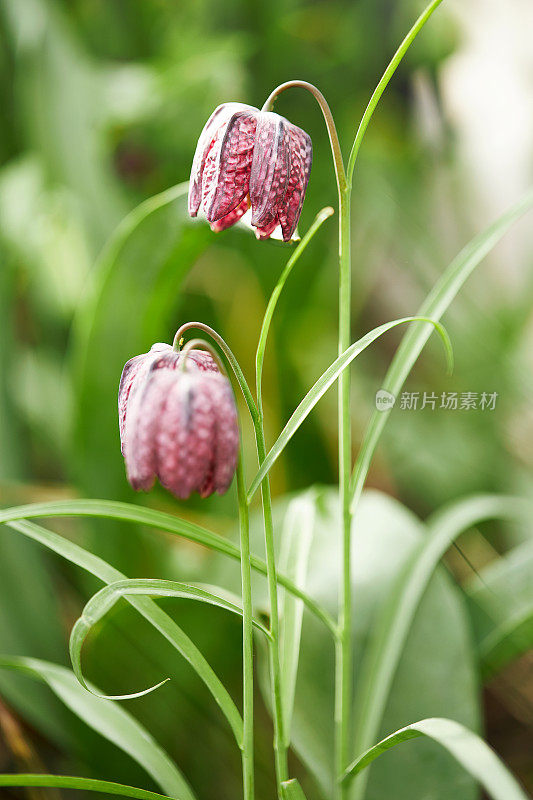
104 107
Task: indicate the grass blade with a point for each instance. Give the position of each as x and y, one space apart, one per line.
416 337
108 719
321 217
383 83
323 384
149 610
382 657
105 599
83 784
128 512
466 747
297 536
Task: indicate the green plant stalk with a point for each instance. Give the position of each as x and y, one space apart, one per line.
280 749
247 638
344 645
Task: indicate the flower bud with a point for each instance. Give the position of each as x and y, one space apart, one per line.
249 157
179 425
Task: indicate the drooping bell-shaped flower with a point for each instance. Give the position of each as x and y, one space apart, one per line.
249 157
179 425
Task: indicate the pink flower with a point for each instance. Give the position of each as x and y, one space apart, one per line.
249 157
178 425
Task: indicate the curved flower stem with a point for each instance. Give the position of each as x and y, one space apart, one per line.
193 344
343 649
247 638
234 364
328 117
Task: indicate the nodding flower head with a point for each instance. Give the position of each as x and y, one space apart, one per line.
178 422
246 157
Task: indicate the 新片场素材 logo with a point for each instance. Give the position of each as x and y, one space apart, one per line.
384 400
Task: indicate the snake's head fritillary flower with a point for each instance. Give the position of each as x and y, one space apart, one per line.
179 425
246 157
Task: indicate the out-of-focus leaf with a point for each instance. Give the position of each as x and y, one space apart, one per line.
30 625
391 630
466 747
434 306
501 601
297 537
65 125
83 784
436 673
135 291
161 621
107 718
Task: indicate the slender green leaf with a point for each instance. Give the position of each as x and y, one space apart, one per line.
383 83
106 598
150 610
83 784
291 790
464 745
323 384
417 335
107 718
297 537
382 657
321 217
128 512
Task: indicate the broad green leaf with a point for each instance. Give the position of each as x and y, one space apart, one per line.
128 512
296 537
326 380
83 784
466 747
150 610
434 306
501 601
291 790
391 630
107 718
105 599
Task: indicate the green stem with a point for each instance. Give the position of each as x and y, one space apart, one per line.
247 639
344 647
280 749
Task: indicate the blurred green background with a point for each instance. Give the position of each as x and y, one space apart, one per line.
103 101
